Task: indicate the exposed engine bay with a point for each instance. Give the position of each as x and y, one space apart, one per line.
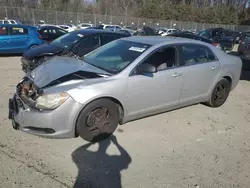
28 92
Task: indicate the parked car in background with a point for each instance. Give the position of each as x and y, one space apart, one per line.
76 43
18 38
226 38
127 79
127 31
6 21
165 32
244 47
67 28
50 33
189 35
212 33
146 31
72 26
110 27
84 25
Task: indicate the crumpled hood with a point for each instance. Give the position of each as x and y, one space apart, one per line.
41 50
58 67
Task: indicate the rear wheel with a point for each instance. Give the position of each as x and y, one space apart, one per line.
98 120
220 93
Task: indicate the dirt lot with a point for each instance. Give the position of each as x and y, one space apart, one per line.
193 147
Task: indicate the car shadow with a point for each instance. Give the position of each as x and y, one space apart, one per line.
11 55
97 168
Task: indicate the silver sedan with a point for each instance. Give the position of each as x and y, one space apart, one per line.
124 80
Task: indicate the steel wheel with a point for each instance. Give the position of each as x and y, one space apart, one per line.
98 120
220 93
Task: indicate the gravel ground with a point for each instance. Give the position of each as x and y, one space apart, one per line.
196 146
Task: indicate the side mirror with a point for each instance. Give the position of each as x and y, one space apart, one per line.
146 68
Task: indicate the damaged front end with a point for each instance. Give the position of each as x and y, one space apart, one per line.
28 92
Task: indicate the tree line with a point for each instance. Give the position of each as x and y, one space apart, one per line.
202 11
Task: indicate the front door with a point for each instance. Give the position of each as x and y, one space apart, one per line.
19 38
199 68
4 40
150 93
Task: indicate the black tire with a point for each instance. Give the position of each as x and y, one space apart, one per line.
219 94
98 120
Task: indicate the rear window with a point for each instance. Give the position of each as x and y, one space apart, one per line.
3 31
19 31
110 27
67 40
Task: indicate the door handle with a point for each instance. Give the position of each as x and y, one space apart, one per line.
214 67
175 74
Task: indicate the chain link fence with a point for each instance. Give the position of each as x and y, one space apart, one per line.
33 16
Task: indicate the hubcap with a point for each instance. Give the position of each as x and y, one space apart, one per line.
99 120
220 93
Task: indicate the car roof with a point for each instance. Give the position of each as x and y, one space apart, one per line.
94 31
155 40
16 25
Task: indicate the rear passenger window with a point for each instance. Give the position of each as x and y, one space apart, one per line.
108 38
6 22
3 31
196 54
19 31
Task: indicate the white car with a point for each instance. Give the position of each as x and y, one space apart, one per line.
85 25
165 32
67 28
8 22
111 27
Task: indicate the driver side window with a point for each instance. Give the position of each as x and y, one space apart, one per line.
162 59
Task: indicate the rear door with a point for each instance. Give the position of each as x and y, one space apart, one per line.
199 68
4 39
44 32
19 38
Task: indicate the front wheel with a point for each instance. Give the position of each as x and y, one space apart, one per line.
219 94
98 120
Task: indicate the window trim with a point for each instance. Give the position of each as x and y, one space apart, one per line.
188 44
24 28
175 47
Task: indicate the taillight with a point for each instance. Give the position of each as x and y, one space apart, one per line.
40 37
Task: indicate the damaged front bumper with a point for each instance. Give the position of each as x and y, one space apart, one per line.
57 123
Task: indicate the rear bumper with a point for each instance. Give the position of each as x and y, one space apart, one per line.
58 123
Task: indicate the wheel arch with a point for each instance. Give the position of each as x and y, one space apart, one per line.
113 99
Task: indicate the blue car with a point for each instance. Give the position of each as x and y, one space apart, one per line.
18 38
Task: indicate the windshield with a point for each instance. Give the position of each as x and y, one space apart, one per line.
115 56
110 27
67 40
228 33
204 33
